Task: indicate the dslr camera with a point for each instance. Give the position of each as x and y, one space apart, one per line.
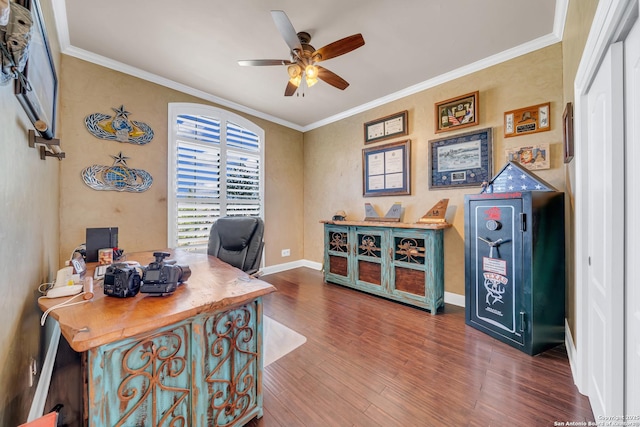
163 277
121 280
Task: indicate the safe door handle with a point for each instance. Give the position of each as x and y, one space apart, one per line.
522 321
523 221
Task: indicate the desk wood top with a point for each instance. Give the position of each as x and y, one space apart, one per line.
213 286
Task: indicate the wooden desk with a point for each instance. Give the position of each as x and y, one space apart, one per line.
191 358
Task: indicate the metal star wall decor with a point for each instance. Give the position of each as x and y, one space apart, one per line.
117 177
118 127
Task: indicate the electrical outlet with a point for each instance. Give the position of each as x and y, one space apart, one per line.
33 370
286 252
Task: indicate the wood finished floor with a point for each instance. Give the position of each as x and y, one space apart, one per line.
372 362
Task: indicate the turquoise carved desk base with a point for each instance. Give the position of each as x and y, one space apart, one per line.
203 371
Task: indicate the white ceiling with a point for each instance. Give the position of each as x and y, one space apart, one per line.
410 45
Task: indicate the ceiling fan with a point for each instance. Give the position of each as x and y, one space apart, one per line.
304 57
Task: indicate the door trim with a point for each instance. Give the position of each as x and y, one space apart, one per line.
611 21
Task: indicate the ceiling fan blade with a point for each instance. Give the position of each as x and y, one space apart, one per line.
332 78
291 89
286 29
339 47
260 62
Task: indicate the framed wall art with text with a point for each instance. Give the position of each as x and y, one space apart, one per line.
386 169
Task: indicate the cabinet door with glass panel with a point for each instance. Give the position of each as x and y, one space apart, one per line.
337 260
416 269
371 262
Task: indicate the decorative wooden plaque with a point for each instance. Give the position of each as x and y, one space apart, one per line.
527 120
436 214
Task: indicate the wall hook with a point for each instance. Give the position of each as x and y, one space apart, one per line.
35 139
44 153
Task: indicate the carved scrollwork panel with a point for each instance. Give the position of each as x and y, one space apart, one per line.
231 365
410 250
154 381
369 245
338 241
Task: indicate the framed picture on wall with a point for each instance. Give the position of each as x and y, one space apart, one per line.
386 127
386 169
39 96
463 160
567 135
527 120
457 113
533 157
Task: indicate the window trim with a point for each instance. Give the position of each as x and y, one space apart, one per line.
174 110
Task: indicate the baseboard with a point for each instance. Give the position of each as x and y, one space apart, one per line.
572 354
449 298
454 299
291 265
568 343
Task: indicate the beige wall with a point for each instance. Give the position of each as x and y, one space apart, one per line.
142 218
579 17
28 249
333 153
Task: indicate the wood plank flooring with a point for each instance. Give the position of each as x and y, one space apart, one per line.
373 362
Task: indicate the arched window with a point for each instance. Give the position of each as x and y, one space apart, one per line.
215 169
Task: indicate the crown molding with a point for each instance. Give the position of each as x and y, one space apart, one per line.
490 61
60 15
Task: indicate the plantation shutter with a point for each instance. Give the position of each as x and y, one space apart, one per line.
216 172
243 172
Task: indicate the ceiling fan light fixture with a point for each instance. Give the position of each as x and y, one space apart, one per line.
294 71
295 74
296 80
311 71
303 56
311 75
311 81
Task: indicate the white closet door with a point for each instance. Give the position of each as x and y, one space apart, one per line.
605 236
632 221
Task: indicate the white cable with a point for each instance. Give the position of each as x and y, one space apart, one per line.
47 286
62 304
77 249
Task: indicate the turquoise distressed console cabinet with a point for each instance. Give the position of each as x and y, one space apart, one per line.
399 261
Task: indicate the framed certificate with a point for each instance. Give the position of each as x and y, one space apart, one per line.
386 127
386 169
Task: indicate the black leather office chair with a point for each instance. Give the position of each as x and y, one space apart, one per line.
237 240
